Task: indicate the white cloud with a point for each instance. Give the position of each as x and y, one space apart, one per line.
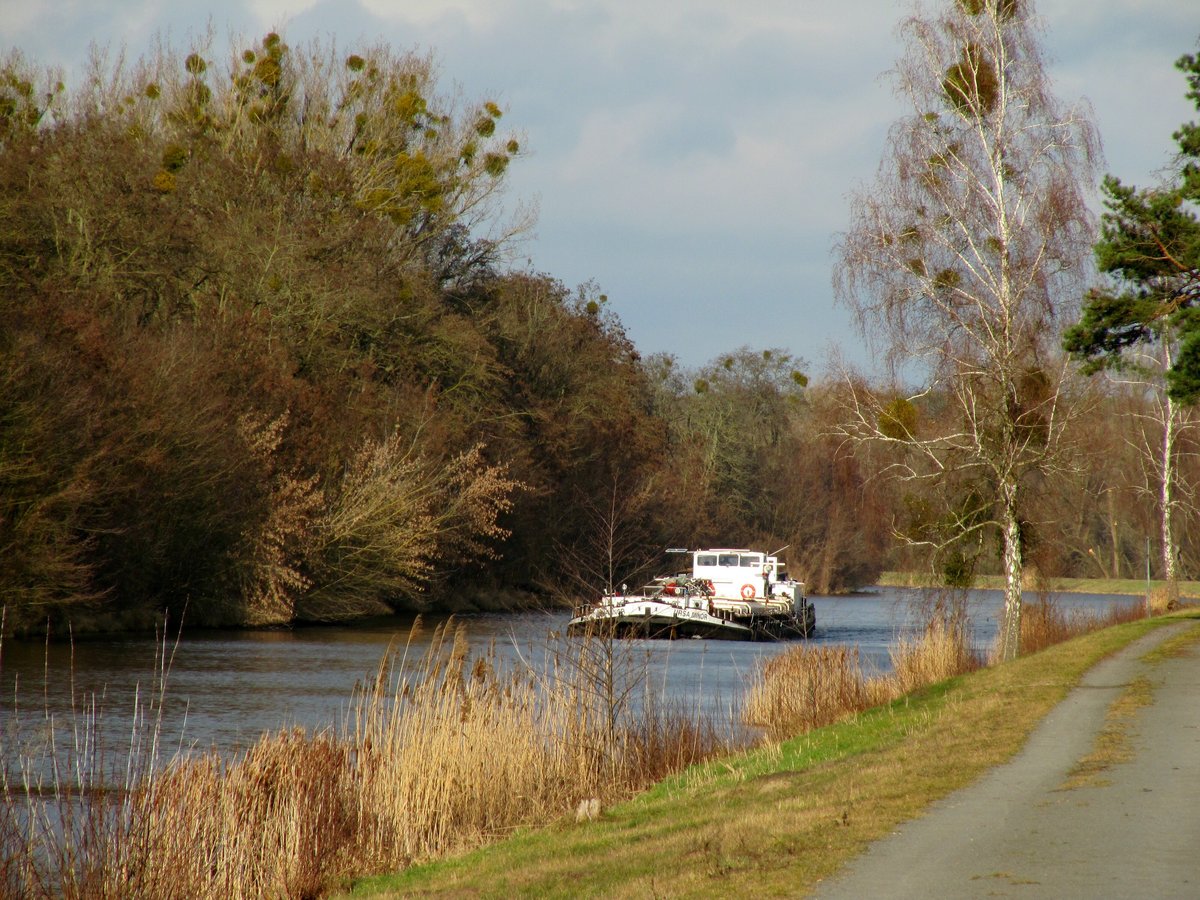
274 13
663 133
757 182
478 15
19 18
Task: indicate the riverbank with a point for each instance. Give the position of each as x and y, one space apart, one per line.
781 818
85 622
1131 586
1101 801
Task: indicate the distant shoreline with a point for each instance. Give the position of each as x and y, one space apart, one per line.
1130 586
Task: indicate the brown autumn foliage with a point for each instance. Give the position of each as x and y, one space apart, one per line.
755 465
211 306
243 303
262 362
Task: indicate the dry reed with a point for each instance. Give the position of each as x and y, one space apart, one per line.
942 652
1044 624
1163 599
808 687
443 750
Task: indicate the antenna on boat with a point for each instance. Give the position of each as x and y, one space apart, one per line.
780 550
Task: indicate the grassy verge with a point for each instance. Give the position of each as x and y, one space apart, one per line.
777 820
1132 586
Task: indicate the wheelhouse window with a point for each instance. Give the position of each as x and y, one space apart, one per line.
728 559
706 559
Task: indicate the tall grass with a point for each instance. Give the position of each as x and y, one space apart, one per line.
1163 599
1044 624
942 651
443 750
72 809
808 687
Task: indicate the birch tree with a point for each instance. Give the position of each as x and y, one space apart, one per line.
1142 322
962 258
1160 423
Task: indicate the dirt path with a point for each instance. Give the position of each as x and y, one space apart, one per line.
1131 829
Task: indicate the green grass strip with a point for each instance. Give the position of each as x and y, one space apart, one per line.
778 820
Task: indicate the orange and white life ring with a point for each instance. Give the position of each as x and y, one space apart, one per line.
747 592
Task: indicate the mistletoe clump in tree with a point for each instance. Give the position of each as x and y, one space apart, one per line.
959 259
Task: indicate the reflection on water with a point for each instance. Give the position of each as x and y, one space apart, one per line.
226 688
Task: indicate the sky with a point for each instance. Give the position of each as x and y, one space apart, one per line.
692 158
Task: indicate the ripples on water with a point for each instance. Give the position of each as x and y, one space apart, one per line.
226 688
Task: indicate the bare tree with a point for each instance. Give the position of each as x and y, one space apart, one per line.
1160 423
1142 320
962 258
616 542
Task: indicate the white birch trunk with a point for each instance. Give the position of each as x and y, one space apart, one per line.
1170 555
1010 627
1167 494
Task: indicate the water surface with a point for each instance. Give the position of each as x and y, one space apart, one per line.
224 689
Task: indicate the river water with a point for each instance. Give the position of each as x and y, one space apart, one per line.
225 689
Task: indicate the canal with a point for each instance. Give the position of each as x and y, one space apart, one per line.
224 689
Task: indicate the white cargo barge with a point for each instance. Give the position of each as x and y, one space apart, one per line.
743 595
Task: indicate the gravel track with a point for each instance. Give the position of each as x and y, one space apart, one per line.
1133 831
